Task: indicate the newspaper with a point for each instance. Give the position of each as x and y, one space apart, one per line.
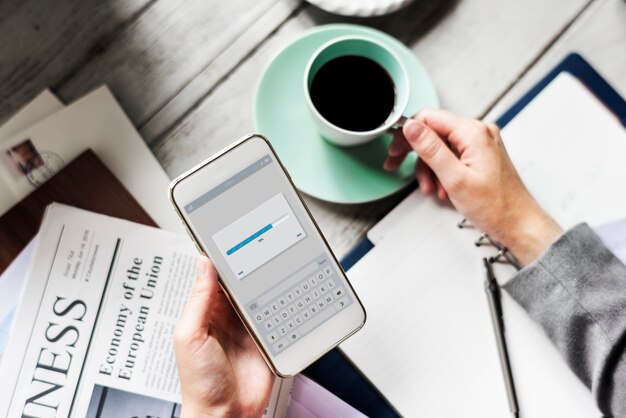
92 334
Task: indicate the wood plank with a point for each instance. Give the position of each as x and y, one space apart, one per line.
168 46
7 7
43 42
599 36
202 85
195 91
485 46
474 51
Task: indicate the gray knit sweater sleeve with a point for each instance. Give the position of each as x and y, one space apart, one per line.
577 291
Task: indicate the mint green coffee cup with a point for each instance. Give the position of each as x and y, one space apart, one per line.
369 48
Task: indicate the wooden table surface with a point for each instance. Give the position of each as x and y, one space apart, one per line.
186 71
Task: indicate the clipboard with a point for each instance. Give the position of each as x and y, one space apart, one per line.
334 371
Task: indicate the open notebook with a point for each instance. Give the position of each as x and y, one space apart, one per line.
428 345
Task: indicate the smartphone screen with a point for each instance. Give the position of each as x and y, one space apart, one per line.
270 254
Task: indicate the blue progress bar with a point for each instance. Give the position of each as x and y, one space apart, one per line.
249 239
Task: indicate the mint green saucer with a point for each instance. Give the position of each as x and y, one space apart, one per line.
318 168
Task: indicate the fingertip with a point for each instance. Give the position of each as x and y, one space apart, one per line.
412 129
493 127
425 180
391 164
425 183
202 266
395 149
398 145
388 165
195 318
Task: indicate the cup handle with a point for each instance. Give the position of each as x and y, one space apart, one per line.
398 125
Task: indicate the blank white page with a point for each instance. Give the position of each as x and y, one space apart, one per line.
428 344
571 153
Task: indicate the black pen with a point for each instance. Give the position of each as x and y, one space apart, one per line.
495 308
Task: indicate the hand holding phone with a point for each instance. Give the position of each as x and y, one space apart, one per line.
276 268
216 356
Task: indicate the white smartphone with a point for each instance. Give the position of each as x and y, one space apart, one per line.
242 210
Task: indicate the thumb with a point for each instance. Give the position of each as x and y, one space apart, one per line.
434 152
196 316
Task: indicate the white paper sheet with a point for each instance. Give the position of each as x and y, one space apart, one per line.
428 344
11 283
42 106
571 153
95 121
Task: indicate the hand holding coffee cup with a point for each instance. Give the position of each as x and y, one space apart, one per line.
356 90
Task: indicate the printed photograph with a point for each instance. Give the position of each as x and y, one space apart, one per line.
114 403
21 158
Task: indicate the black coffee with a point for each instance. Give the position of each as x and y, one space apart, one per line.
353 93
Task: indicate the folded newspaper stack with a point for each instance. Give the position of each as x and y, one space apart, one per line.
88 308
99 307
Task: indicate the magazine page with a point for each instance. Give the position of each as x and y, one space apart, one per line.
96 318
42 106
